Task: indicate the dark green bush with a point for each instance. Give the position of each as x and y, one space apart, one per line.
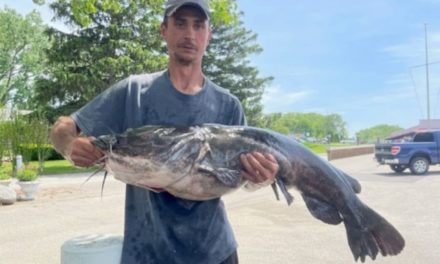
30 153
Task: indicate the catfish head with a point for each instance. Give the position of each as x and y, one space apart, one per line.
153 149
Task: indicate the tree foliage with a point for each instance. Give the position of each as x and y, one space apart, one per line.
331 127
82 11
39 2
89 59
22 58
23 135
378 132
113 39
227 64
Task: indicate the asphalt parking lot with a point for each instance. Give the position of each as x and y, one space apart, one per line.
268 231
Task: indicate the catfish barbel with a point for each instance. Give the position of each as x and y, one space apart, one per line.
203 162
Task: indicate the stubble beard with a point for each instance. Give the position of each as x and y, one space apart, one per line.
184 61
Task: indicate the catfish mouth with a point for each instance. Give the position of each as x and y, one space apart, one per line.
122 167
104 143
154 189
120 170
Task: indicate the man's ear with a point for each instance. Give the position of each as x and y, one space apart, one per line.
210 34
163 29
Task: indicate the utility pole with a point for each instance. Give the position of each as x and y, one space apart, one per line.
427 76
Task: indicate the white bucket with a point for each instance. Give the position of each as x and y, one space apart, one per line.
92 249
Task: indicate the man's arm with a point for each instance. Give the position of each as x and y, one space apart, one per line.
66 139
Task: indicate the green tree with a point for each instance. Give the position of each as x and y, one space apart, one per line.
272 120
336 127
22 57
82 11
227 64
15 133
113 39
89 59
3 141
308 124
378 132
39 138
39 2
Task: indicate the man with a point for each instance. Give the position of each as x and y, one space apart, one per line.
160 228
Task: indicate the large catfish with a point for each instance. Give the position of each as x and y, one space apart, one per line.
202 162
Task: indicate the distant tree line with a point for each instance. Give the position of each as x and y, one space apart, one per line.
378 132
330 127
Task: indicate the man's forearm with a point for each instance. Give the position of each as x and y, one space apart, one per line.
62 134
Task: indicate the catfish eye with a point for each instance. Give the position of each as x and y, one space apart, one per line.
113 140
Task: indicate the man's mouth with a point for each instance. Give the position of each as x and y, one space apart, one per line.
188 47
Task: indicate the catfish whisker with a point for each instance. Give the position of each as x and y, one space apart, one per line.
91 175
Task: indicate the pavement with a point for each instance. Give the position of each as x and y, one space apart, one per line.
268 231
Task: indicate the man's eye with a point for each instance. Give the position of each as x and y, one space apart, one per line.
179 23
198 26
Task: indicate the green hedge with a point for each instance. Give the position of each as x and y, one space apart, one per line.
30 153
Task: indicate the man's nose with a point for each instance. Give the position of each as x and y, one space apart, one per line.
190 32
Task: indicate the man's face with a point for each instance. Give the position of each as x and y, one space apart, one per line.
187 34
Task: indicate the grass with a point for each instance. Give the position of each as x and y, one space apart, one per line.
52 167
316 148
322 148
61 167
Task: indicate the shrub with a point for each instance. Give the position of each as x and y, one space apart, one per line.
27 174
50 152
25 135
5 174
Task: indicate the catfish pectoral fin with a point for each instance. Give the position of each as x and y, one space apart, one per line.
322 210
275 190
377 235
283 188
230 178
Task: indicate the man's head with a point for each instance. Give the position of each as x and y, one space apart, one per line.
186 30
171 6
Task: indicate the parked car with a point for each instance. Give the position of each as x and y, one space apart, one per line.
417 155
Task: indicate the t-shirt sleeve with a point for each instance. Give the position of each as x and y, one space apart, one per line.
238 116
105 113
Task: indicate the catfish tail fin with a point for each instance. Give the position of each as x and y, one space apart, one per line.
378 235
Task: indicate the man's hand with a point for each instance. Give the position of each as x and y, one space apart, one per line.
260 169
67 141
83 153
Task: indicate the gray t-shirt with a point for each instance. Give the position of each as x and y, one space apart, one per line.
161 228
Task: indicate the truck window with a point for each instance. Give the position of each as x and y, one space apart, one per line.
424 137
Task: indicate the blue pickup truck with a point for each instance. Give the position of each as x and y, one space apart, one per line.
416 154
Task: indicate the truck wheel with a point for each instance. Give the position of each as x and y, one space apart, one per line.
398 168
419 165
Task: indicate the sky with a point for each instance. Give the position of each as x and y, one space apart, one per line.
363 60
